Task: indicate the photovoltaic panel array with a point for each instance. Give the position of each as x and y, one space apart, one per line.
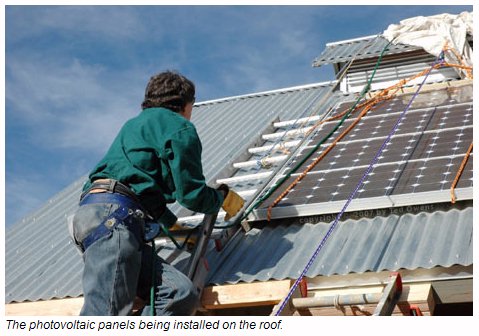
424 154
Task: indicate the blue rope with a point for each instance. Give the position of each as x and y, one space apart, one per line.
353 194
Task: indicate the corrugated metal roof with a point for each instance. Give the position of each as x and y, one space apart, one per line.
407 241
238 120
40 261
345 51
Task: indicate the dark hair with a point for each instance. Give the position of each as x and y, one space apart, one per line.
169 90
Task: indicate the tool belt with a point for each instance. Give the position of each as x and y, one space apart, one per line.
112 186
127 213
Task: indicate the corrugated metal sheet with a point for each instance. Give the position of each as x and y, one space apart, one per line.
40 261
359 49
407 241
238 120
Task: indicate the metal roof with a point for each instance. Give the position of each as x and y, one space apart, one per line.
238 120
406 241
361 48
40 261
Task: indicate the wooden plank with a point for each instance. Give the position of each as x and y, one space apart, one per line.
61 307
456 291
449 293
301 291
243 295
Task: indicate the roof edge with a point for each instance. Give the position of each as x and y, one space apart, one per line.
357 39
262 93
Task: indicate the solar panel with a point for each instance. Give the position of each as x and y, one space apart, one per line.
424 154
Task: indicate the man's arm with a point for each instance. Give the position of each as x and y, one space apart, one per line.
187 171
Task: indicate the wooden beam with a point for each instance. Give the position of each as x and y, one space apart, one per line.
455 291
450 293
59 307
245 294
301 291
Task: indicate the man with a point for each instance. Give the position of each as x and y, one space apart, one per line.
154 160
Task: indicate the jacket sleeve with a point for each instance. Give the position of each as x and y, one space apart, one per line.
191 190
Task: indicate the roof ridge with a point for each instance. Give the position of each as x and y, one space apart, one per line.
262 93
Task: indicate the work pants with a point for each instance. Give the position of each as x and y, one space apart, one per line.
118 268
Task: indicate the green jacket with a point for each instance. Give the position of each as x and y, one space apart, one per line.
158 155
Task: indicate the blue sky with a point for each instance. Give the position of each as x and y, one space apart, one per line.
75 74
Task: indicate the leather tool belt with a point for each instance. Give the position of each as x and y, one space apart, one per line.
112 186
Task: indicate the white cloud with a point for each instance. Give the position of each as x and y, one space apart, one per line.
70 105
101 22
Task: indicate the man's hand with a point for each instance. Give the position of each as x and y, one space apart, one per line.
232 204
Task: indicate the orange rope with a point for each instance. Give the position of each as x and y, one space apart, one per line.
316 161
460 59
459 173
465 67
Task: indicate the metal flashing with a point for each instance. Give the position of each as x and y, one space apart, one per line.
370 203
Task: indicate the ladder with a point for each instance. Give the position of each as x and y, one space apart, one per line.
390 297
386 301
198 266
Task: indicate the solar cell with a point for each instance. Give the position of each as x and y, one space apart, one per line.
424 154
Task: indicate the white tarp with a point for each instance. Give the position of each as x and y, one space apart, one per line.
432 32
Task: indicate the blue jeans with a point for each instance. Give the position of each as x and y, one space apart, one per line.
118 268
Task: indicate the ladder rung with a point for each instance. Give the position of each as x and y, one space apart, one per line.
276 147
295 132
258 163
243 178
295 122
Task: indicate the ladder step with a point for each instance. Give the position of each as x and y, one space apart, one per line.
257 163
295 133
277 147
295 122
243 178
